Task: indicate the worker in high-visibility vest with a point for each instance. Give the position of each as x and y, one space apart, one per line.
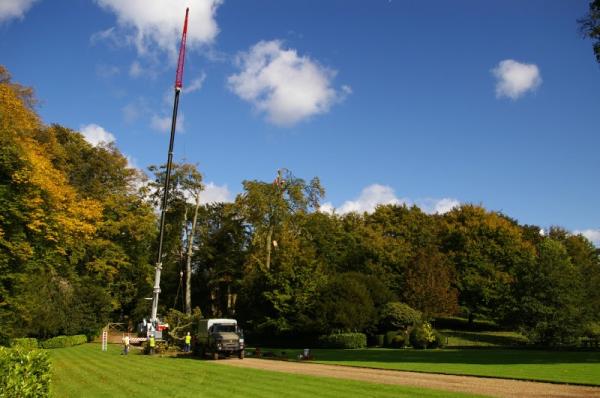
152 344
188 342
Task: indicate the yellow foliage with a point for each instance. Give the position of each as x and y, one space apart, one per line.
16 114
54 206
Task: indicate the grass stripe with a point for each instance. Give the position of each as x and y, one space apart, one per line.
86 371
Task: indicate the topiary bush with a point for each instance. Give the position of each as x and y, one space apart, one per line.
344 340
395 315
64 341
24 373
25 343
421 336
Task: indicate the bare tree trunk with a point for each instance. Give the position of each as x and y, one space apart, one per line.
269 237
188 266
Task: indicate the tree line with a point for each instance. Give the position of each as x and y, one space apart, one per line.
78 233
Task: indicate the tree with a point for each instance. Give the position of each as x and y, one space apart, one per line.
180 231
218 262
590 26
428 284
484 247
549 292
268 207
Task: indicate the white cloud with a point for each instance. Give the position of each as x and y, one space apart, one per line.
135 70
96 135
195 84
377 194
592 234
107 71
287 87
10 9
437 206
215 194
163 123
369 198
151 25
514 78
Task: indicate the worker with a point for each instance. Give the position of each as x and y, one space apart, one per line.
152 344
126 344
188 342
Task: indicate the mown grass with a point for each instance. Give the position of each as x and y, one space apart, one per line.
86 371
455 338
578 367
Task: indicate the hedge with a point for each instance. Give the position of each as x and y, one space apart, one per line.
344 340
64 341
24 373
25 343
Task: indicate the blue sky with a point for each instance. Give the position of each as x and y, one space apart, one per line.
431 103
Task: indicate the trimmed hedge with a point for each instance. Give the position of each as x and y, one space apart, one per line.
64 341
344 340
25 343
23 373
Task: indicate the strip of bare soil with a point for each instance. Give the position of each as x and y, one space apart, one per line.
469 384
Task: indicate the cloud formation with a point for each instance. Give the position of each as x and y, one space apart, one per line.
376 194
592 234
513 79
195 84
10 9
96 135
215 194
163 123
153 25
285 86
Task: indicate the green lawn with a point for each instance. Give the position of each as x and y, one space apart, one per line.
456 338
555 366
86 371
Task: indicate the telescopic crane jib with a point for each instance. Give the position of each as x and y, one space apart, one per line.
178 87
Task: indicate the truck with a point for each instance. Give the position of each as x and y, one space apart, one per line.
219 337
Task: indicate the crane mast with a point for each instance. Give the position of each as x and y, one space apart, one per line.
165 198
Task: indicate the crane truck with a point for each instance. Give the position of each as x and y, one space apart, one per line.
154 326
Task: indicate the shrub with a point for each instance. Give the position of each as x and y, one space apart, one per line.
421 336
25 343
344 340
389 336
398 316
64 341
399 341
439 340
24 373
379 340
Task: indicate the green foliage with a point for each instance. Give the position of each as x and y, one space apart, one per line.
26 343
551 297
64 341
439 341
344 340
590 26
422 336
393 316
389 337
24 373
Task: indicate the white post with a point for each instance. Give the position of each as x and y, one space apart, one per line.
104 339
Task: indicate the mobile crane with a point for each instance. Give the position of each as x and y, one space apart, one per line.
154 326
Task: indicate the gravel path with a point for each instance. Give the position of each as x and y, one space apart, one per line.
475 385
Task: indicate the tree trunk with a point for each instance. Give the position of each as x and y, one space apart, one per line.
269 237
188 265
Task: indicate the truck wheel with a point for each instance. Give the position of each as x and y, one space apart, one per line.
241 354
215 356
